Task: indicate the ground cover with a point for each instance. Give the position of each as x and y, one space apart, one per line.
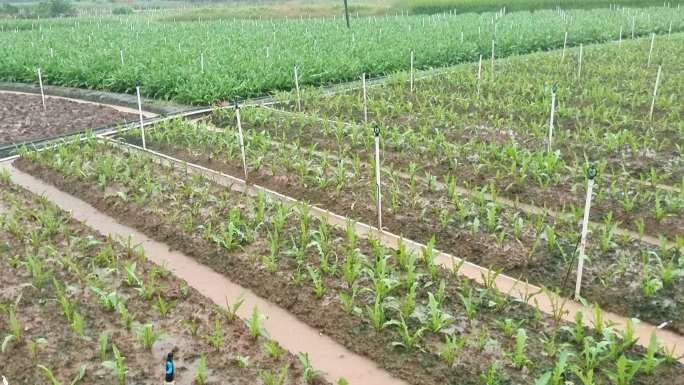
421 322
80 308
208 61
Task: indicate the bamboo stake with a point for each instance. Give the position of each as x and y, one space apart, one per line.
412 76
551 119
299 97
650 51
42 92
140 113
591 174
376 131
241 138
365 98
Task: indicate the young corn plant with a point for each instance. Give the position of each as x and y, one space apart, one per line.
147 336
317 280
103 343
202 373
118 365
53 379
624 372
16 330
437 318
309 373
519 357
255 324
216 338
555 377
274 350
451 349
270 378
651 360
232 309
409 340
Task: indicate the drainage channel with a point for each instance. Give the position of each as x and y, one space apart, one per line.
333 359
534 296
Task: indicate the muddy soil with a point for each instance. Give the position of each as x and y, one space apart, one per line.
417 367
547 269
87 260
22 117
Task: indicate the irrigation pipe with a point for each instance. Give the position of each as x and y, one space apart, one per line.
523 291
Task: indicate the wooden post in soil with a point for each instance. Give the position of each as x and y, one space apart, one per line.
378 185
551 119
140 113
365 98
299 96
655 92
650 51
42 92
591 174
241 138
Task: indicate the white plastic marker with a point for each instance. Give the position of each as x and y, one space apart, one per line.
650 51
591 174
620 39
655 92
553 112
479 75
633 22
411 71
42 92
202 61
52 53
142 126
299 97
579 66
669 31
565 44
241 137
121 56
365 98
376 132
492 58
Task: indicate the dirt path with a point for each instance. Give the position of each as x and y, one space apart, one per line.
326 355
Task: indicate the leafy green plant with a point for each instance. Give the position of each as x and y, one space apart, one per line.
147 336
118 365
54 381
309 373
202 373
409 340
255 324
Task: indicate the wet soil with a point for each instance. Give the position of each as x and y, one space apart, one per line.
514 258
87 260
327 315
22 117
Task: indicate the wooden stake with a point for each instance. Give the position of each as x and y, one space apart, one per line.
492 59
42 92
565 44
479 75
142 126
585 230
655 92
121 55
620 38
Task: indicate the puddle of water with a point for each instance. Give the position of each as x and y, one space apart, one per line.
327 355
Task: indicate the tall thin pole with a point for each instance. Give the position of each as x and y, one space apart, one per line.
412 76
378 185
42 92
365 98
241 137
655 92
346 13
585 226
650 51
140 113
299 97
553 112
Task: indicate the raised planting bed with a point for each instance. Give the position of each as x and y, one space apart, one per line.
23 119
93 310
417 320
494 132
535 247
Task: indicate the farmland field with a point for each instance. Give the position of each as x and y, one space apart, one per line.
380 302
207 61
433 186
412 200
80 307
